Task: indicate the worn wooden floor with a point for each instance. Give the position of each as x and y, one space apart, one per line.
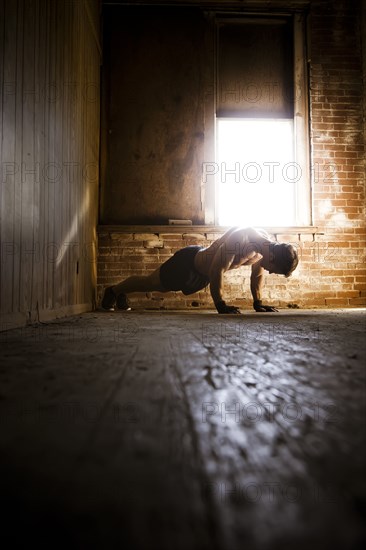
185 431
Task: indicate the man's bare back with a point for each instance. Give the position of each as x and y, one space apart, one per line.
239 246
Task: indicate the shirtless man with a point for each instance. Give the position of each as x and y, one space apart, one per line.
193 268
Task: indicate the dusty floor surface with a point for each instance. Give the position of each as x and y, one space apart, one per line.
185 431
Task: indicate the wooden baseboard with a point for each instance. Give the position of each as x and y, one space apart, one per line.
9 321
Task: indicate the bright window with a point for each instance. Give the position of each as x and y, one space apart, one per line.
256 174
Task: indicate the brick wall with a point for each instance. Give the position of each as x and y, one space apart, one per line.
337 141
332 271
326 276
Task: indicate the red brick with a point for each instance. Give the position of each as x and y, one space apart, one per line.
315 302
171 236
354 209
360 287
332 273
358 301
337 302
131 244
174 244
339 148
347 294
339 202
145 236
116 237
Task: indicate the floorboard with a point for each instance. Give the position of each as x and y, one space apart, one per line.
173 430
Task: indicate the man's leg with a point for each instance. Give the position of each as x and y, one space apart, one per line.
142 283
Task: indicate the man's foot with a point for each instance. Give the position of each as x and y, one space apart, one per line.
122 302
109 299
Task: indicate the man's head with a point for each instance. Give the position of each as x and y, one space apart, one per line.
284 258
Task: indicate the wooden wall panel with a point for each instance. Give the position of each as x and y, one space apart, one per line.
49 68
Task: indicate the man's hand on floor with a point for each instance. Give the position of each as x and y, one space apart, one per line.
223 308
258 306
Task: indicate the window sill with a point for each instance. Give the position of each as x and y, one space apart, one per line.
308 229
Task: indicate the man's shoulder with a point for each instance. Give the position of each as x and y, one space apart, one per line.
250 234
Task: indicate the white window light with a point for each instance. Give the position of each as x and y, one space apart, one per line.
256 172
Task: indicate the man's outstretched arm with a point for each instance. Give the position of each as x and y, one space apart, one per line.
256 285
220 263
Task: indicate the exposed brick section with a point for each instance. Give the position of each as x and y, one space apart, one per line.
336 105
330 271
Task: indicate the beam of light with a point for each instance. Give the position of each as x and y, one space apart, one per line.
256 177
74 226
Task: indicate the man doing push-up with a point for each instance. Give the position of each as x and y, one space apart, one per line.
194 267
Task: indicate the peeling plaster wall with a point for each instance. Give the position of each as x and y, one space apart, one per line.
153 123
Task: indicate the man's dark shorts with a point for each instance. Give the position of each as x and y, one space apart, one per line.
179 273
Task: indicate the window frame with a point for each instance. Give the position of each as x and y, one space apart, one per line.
303 191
